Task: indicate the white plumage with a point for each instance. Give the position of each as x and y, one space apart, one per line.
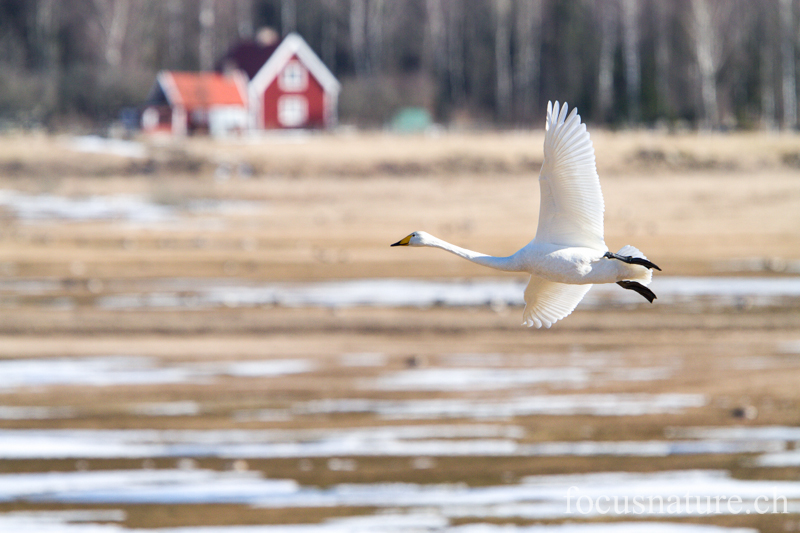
571 205
569 253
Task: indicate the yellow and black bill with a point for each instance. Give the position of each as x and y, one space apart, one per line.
403 242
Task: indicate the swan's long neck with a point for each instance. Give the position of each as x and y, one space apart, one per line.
500 263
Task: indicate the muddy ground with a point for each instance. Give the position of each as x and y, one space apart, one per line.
322 208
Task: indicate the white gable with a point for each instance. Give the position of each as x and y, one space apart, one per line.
167 83
293 45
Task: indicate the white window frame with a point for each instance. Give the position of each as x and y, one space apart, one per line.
292 110
293 77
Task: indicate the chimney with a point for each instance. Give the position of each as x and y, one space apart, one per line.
267 36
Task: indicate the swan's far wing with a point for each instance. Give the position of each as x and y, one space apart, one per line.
548 301
571 204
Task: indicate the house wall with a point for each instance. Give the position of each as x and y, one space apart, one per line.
224 121
315 98
157 119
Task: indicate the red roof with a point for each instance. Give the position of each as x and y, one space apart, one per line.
248 56
201 89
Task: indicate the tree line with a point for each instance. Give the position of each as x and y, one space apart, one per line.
710 64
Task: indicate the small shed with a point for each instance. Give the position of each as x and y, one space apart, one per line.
197 102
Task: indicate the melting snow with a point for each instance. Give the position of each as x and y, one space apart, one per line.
470 379
538 497
444 379
779 459
424 293
544 404
785 433
45 206
403 441
8 412
94 144
394 522
98 371
118 370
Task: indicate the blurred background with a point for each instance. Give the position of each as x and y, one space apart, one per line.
689 64
203 327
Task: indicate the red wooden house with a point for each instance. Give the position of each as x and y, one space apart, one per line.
260 86
293 89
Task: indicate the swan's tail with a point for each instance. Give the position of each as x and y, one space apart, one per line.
636 272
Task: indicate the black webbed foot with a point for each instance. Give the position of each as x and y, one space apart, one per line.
638 287
632 260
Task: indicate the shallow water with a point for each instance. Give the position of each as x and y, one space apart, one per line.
412 522
400 441
785 433
471 379
128 208
534 497
452 379
720 291
129 370
182 294
542 404
186 408
15 412
779 459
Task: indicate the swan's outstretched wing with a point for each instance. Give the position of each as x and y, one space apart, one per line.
571 209
548 301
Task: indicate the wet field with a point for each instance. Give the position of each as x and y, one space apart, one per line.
219 338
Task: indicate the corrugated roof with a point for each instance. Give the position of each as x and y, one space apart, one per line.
200 89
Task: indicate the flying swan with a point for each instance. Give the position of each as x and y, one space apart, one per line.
569 253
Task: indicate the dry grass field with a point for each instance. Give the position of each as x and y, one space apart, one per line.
149 378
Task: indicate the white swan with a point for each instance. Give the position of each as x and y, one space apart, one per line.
569 253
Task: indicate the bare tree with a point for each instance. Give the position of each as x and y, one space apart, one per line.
767 71
526 65
630 54
502 58
175 39
46 25
113 21
436 37
288 16
608 44
46 29
375 35
719 30
455 52
663 12
358 38
329 32
788 67
244 19
206 41
705 43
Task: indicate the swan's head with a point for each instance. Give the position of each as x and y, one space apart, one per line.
418 238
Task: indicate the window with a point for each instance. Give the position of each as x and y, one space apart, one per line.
294 77
150 118
292 111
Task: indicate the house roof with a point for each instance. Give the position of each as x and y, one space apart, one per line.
200 89
291 46
248 56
